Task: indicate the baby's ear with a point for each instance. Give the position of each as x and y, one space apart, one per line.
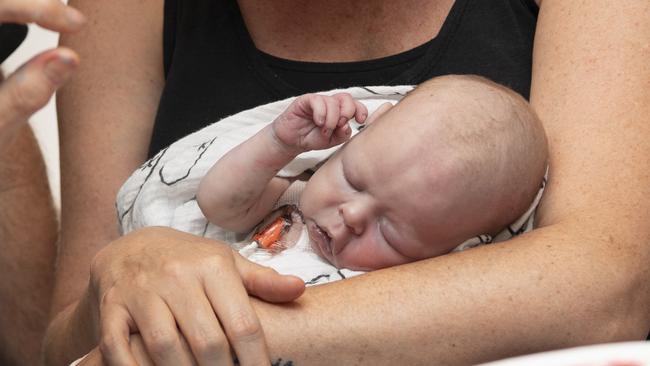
378 113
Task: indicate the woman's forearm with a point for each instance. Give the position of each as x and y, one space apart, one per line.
581 278
538 292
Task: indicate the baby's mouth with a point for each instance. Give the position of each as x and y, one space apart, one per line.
322 239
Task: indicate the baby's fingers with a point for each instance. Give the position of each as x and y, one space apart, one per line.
350 108
347 108
361 112
314 106
332 117
341 134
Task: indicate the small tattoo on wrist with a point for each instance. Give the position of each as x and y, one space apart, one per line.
281 362
278 362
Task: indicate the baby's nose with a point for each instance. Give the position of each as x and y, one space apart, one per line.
355 216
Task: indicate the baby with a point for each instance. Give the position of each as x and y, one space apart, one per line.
458 157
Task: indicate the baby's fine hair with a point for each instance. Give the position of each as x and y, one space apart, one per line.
491 140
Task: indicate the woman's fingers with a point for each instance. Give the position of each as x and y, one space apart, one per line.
139 350
200 328
157 326
174 280
29 89
230 301
50 14
115 332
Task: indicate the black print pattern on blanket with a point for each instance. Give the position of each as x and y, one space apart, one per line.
171 180
149 167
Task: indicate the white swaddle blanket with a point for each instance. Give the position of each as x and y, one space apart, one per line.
162 192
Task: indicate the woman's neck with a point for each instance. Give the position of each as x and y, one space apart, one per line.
342 30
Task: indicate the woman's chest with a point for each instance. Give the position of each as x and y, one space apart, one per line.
342 30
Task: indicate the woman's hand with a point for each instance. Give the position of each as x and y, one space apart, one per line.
169 286
29 89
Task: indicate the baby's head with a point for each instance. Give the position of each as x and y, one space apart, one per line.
458 157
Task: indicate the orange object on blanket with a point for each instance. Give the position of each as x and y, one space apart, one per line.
270 234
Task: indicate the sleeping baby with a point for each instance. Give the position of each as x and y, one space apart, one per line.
459 157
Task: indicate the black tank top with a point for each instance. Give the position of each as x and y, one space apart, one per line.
213 69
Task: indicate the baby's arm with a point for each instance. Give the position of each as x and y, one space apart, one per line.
241 188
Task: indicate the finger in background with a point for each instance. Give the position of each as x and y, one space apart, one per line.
29 88
51 14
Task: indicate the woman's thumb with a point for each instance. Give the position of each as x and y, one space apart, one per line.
268 284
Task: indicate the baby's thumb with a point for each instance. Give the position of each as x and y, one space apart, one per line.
29 89
268 284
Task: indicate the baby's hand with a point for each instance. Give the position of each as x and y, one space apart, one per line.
316 122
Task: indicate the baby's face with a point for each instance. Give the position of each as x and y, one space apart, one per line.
370 207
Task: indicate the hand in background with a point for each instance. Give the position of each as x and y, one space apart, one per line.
33 84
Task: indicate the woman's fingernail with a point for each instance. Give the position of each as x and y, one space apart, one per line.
75 17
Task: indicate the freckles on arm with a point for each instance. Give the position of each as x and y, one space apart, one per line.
581 278
591 89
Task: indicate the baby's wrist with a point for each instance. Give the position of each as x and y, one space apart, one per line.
282 148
